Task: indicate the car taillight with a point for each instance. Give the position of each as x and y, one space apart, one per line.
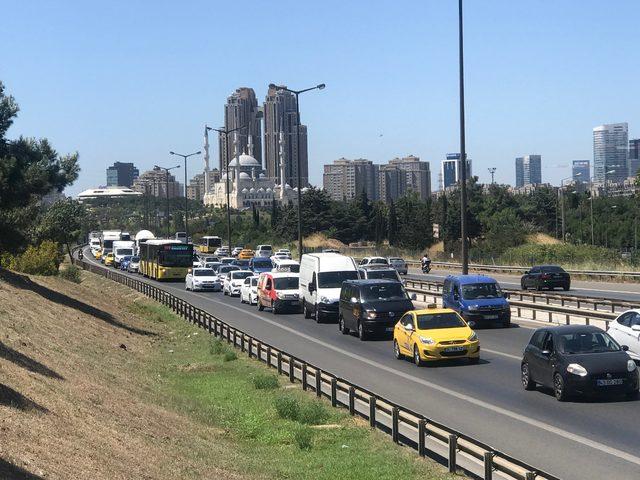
544 276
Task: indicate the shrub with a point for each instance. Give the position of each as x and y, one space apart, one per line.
303 438
265 381
230 356
287 407
313 413
43 259
217 347
531 254
71 273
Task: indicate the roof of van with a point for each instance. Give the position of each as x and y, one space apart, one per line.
467 279
280 274
332 262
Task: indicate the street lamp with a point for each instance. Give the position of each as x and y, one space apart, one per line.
609 172
186 200
166 174
562 205
297 93
463 153
226 133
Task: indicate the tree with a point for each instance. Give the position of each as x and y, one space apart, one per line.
62 222
392 224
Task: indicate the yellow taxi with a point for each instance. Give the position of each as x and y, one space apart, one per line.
98 254
434 334
246 254
108 260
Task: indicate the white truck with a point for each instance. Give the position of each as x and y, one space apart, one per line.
108 237
121 249
321 277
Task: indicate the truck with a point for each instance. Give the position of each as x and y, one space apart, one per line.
121 249
108 237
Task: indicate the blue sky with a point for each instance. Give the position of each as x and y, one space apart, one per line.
131 80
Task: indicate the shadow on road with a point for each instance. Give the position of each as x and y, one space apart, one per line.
24 361
23 282
13 399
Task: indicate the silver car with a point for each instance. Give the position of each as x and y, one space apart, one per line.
399 264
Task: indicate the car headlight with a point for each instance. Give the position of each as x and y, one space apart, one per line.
473 337
370 314
473 308
631 365
427 340
324 299
577 369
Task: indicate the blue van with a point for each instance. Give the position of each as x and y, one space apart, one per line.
478 298
260 264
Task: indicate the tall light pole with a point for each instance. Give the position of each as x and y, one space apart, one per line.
299 176
166 177
463 153
492 171
226 133
186 199
591 202
562 206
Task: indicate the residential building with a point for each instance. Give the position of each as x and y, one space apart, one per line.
280 117
121 174
157 183
241 109
195 189
610 152
417 175
450 170
634 156
528 170
391 183
345 179
581 171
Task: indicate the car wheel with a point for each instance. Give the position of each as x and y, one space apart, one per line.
506 324
274 310
260 306
632 395
525 376
565 287
316 315
522 285
362 333
344 330
396 351
559 389
539 287
416 357
305 310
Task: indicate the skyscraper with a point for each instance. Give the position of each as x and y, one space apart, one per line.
610 152
241 108
528 170
392 183
121 174
280 116
417 175
581 171
634 156
345 179
449 172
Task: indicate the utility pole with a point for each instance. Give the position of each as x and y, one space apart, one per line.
463 153
492 171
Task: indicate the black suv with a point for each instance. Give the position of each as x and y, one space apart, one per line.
371 306
545 276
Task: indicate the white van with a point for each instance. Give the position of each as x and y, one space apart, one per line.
264 251
321 277
285 265
122 249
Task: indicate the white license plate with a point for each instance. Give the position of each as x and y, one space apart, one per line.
491 317
454 349
609 381
389 329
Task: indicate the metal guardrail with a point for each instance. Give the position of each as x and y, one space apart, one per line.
428 437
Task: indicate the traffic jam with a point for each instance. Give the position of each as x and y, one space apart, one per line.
367 298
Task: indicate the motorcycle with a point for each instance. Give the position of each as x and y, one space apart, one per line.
426 267
80 254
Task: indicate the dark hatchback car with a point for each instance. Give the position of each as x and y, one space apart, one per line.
371 306
578 359
379 273
546 276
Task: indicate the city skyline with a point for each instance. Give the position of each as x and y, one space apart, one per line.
134 93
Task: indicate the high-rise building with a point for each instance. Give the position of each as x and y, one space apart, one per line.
241 109
280 117
392 183
417 175
528 170
634 156
449 170
121 174
610 152
345 179
581 171
195 189
155 183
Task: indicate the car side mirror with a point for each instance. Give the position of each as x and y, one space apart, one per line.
354 300
635 328
526 272
506 294
625 348
409 327
546 353
414 296
456 296
311 287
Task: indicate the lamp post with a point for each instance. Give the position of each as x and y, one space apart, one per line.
562 206
463 154
186 199
166 176
297 93
591 202
226 133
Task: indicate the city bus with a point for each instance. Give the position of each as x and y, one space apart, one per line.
165 259
209 244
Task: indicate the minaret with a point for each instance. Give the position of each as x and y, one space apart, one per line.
250 145
282 176
237 171
206 160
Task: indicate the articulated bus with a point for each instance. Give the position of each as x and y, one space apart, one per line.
165 259
209 244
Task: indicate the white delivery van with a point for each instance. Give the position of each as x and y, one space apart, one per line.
321 277
264 251
108 237
122 249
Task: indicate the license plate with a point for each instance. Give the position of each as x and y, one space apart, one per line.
389 329
491 317
609 381
454 349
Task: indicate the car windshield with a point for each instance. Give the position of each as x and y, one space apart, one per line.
335 279
476 291
262 263
125 251
383 291
241 275
390 274
587 342
203 272
126 258
227 268
378 261
439 320
552 269
135 259
396 260
241 263
286 283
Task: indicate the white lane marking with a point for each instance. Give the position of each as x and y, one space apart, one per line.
495 352
461 396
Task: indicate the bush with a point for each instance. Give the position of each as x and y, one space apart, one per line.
287 407
303 438
43 259
71 273
313 413
230 356
265 381
217 347
532 254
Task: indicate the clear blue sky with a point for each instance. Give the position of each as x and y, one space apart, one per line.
131 80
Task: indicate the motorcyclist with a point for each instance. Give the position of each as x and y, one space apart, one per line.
80 254
426 261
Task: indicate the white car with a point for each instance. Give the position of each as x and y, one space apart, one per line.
284 252
221 252
202 279
233 282
224 270
134 264
373 261
626 331
236 251
249 290
227 260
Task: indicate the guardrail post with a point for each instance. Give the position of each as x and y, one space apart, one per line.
488 466
334 392
372 411
422 432
453 450
530 476
395 414
318 382
279 361
268 355
304 376
292 371
209 327
242 347
352 400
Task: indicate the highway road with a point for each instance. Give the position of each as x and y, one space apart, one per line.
629 292
574 440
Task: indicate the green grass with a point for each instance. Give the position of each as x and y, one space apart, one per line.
270 426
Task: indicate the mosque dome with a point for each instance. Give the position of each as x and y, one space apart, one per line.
244 176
